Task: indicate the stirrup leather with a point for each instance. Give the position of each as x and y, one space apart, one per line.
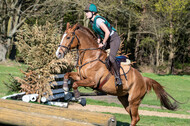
118 81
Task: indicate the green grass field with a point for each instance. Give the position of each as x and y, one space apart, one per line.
124 120
176 86
6 69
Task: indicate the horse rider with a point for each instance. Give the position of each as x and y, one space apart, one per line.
107 37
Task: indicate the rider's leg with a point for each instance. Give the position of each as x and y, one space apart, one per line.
114 47
116 71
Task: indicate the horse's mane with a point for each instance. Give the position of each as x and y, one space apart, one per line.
87 30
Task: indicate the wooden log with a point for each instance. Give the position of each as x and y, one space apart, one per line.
14 117
58 76
60 83
14 96
75 115
54 97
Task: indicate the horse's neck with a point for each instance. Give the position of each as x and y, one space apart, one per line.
86 41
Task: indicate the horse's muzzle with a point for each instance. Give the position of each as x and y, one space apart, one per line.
60 55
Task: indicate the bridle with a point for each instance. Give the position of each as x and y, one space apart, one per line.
69 46
79 59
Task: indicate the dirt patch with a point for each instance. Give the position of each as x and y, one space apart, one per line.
113 99
98 108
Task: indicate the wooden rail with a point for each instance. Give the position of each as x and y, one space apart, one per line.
21 113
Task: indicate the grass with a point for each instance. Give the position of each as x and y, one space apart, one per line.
123 120
176 86
7 68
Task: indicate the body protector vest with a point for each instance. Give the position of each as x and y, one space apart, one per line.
99 31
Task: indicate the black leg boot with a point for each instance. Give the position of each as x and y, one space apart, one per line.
117 74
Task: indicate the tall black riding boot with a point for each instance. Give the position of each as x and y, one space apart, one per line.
117 74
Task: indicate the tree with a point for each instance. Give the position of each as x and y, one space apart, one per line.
172 10
13 14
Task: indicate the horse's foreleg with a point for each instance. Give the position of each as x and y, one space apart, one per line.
133 110
124 101
134 114
84 83
72 75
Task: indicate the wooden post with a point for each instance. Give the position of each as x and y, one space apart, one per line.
15 117
10 106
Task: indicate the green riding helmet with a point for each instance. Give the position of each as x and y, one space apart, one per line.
91 8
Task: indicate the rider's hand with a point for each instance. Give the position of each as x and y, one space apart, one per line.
99 40
100 45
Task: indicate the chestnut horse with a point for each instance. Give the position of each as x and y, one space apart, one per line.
92 72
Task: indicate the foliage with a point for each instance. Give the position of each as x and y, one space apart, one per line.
37 46
12 85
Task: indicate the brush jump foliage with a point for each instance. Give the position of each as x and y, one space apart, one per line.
37 45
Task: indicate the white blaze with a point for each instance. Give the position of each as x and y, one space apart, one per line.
57 52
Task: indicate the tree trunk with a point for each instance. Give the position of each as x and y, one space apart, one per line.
170 63
3 51
171 51
12 21
157 53
85 20
162 57
138 56
137 48
129 33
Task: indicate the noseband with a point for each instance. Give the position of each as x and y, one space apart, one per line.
69 46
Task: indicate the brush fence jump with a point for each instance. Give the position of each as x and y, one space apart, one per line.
60 97
28 114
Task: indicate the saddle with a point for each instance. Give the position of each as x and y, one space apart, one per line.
119 60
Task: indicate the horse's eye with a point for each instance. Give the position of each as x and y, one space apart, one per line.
68 37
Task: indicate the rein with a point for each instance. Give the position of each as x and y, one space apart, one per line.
79 59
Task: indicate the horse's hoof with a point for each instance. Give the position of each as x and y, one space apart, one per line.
82 101
68 96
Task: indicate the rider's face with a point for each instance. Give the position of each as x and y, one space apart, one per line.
88 14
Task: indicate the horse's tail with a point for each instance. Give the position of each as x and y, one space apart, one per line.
161 94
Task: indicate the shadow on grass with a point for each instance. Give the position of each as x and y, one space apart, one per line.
122 123
4 124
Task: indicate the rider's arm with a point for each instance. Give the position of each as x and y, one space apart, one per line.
106 31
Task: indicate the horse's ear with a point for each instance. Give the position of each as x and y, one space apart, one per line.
74 27
68 25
